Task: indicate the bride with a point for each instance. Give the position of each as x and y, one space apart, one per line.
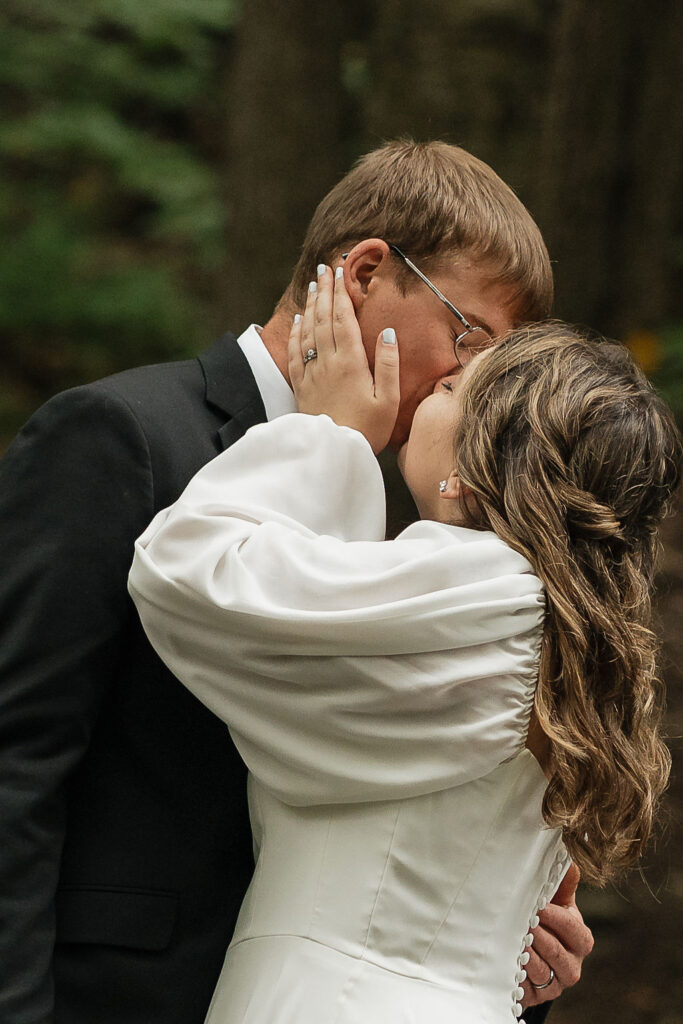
435 725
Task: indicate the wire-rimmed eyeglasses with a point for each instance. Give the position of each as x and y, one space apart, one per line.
472 340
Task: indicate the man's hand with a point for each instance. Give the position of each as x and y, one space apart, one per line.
561 941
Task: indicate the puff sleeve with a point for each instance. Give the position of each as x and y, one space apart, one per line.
348 668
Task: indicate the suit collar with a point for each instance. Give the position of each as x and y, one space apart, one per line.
231 388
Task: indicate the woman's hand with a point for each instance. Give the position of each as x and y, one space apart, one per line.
337 380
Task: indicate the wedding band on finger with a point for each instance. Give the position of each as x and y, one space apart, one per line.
546 984
311 354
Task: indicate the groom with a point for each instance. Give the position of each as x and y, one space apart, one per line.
125 847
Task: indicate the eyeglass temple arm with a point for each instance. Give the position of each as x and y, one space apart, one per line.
449 305
432 287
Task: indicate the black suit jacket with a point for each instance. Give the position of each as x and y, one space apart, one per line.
125 846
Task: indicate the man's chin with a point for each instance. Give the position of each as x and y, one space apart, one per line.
404 421
399 437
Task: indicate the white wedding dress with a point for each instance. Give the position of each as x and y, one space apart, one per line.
380 695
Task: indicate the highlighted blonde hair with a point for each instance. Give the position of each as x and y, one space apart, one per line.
437 203
573 460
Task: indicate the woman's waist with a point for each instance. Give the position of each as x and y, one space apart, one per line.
465 972
452 925
365 979
343 951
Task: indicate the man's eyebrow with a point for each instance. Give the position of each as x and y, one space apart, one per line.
477 321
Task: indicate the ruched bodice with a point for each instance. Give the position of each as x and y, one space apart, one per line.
345 889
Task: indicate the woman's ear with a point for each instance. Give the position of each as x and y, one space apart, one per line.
364 263
454 489
465 510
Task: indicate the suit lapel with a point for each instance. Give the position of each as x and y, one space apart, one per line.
231 388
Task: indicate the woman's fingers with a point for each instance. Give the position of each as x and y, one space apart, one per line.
387 387
347 335
294 358
329 323
316 332
307 337
323 332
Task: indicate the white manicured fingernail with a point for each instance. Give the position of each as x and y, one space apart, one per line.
313 287
388 336
297 317
339 272
320 269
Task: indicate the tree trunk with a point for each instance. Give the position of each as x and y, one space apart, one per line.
610 164
646 290
466 72
284 101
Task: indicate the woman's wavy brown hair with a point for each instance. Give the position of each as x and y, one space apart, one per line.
573 459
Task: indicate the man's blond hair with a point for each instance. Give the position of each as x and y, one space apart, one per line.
437 203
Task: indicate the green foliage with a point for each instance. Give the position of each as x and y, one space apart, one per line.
668 378
110 204
56 280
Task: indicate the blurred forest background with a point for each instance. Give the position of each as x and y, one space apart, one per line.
159 162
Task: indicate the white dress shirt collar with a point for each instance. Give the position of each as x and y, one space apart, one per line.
278 397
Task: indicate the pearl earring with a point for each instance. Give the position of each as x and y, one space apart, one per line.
443 484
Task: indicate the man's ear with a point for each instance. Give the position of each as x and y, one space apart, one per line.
365 263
